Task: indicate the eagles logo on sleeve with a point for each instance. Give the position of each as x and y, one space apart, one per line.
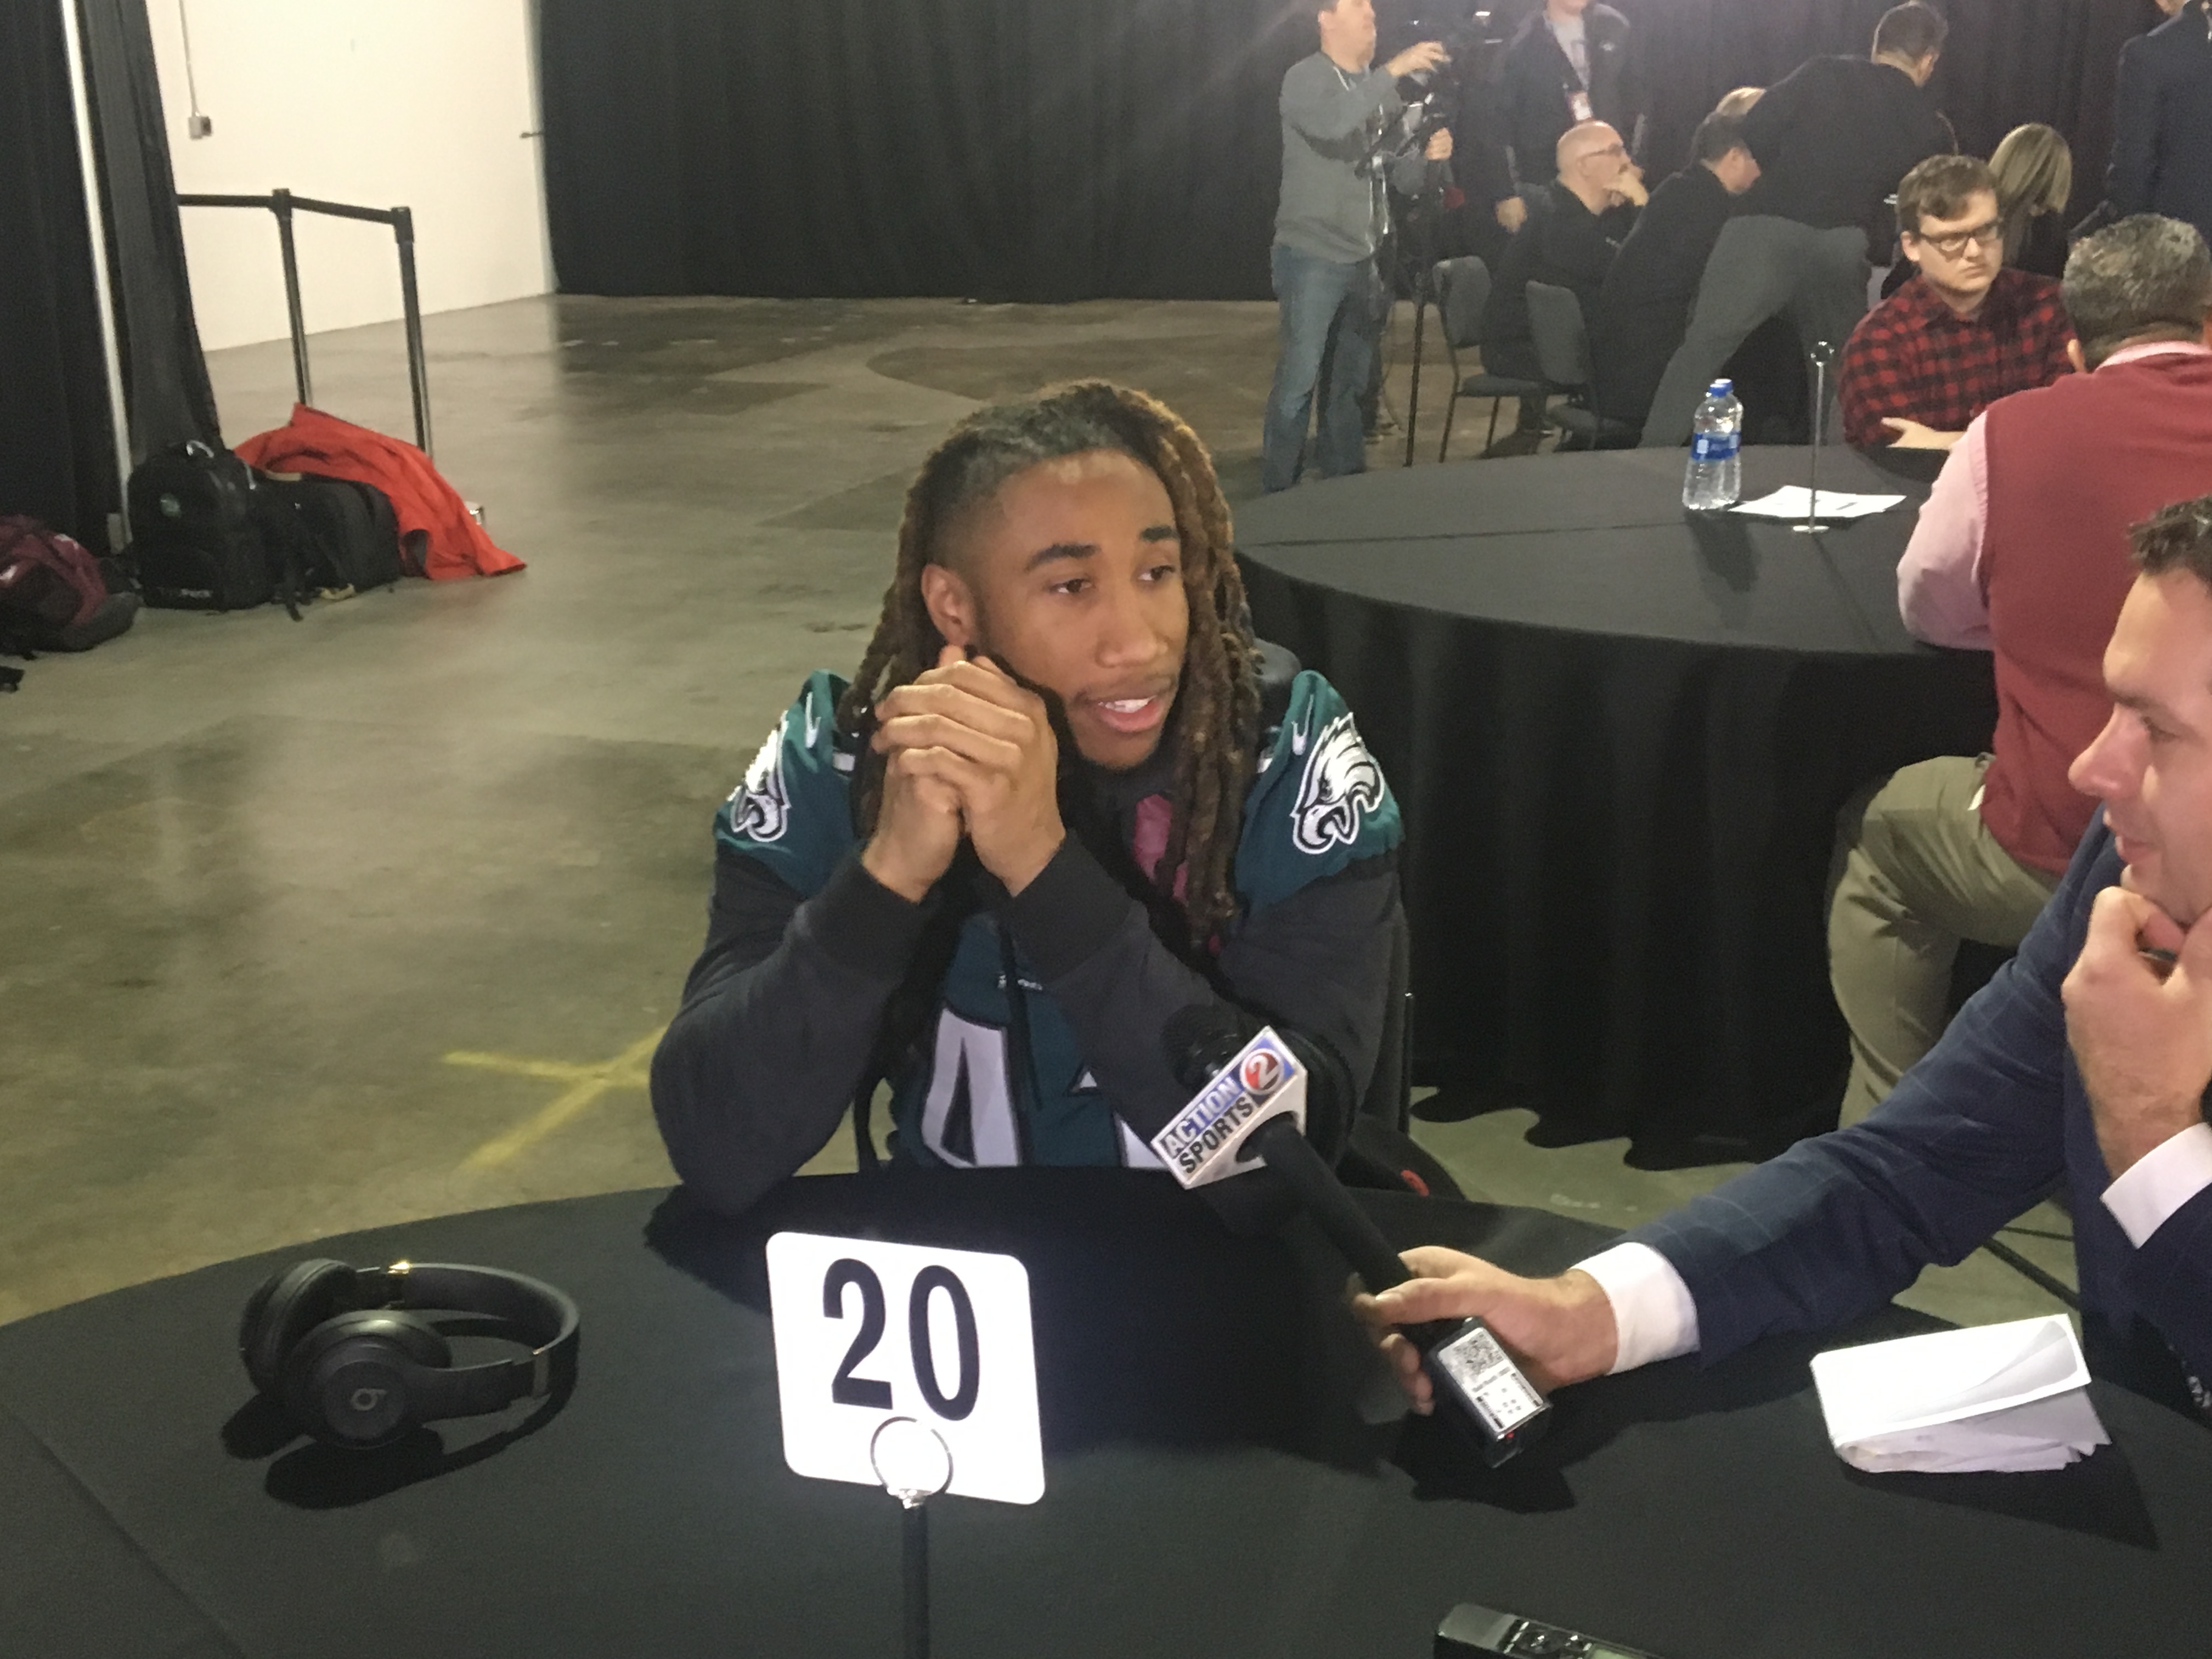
1340 785
793 811
760 806
1319 803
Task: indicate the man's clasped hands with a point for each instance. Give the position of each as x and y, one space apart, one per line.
968 751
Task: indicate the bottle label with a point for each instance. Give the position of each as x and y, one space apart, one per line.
1714 446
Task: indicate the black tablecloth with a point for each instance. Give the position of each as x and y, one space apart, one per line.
1220 1481
1620 736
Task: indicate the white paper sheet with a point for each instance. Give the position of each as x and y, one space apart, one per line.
1794 501
2008 1396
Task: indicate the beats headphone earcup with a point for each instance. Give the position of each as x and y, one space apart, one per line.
348 1381
290 1303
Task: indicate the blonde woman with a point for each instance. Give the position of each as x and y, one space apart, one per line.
2034 171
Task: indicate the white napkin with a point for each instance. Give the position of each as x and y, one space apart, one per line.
1796 502
2011 1396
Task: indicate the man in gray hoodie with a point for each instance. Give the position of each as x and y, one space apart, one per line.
1343 124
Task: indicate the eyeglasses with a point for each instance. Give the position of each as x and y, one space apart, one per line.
1951 246
1616 151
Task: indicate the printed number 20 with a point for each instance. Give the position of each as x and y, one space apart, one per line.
847 1389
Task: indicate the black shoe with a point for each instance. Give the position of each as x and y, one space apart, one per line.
1513 443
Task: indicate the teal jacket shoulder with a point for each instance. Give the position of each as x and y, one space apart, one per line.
1318 804
794 811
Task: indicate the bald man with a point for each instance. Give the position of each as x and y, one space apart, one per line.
1576 226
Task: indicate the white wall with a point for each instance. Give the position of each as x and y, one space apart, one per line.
383 103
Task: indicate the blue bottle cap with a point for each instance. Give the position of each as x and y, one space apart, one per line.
1721 389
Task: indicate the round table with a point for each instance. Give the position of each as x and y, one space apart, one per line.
1620 735
1226 1474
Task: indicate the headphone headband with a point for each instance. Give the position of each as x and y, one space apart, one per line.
542 1316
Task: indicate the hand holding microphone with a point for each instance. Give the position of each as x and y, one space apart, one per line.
1562 1329
1248 1108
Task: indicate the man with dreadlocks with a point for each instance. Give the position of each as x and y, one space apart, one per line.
1058 803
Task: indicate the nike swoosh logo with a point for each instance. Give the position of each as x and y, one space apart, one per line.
1300 735
813 725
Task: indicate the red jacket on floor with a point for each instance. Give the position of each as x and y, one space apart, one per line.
420 499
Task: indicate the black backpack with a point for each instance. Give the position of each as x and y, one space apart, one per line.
195 541
347 538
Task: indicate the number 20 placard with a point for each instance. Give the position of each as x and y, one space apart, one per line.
866 1331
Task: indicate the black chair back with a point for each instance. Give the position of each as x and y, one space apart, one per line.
1463 291
1562 339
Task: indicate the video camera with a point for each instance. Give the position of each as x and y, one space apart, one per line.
1470 37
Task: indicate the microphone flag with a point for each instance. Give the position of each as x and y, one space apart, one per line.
1206 1141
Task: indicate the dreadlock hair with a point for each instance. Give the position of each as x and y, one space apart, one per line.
1218 705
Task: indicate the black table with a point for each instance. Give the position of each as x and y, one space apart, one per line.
1620 737
1220 1480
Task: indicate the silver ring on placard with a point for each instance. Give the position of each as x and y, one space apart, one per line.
911 1459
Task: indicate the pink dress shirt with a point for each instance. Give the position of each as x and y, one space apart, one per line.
1939 581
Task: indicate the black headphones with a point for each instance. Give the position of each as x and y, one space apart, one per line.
345 1354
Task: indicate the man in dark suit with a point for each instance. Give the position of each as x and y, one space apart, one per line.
1645 308
2162 121
1569 240
2084 1064
1570 64
1832 140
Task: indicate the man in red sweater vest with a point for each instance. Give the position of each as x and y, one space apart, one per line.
2022 550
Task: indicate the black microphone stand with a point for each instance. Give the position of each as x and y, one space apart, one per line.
1823 357
914 1521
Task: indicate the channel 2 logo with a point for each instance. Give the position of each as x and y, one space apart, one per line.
1263 1072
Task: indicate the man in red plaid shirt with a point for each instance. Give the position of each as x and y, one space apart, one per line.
1965 332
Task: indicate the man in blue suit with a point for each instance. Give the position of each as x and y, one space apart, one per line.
2084 1064
2162 121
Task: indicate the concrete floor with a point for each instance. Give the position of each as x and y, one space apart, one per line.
320 925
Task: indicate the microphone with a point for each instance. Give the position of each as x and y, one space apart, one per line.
1248 1108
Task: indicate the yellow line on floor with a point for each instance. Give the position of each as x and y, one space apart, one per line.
587 1083
553 1071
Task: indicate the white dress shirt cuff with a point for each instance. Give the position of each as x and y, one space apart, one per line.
1652 1310
2159 1182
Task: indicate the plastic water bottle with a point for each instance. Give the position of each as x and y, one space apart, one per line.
1716 475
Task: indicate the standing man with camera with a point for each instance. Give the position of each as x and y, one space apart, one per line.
1340 117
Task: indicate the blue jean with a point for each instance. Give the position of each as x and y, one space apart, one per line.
1331 323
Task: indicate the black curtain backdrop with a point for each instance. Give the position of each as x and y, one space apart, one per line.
1002 148
165 378
57 461
56 456
1068 150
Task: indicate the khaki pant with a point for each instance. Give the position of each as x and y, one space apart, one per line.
1920 872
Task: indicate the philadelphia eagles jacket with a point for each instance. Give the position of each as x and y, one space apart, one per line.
1010 1029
